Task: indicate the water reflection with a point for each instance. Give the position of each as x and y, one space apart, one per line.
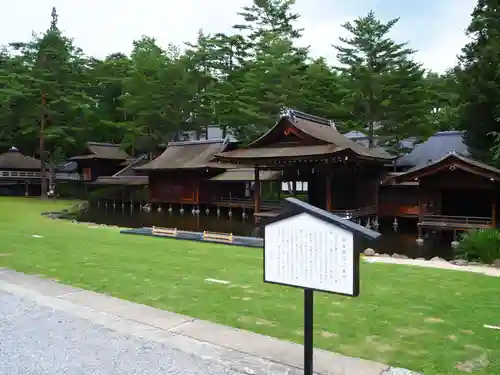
402 241
187 221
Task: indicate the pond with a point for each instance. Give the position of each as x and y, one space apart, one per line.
401 241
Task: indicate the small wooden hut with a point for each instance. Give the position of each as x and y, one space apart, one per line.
180 173
19 174
101 159
455 193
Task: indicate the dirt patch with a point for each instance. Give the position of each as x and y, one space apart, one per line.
433 319
264 322
246 299
473 364
245 319
5 254
410 331
452 338
327 334
467 331
379 346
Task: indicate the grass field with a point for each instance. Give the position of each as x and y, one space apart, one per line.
423 319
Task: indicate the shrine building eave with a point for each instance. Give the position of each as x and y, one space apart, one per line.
451 161
282 155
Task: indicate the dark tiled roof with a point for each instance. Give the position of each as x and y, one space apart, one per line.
129 170
13 159
434 148
108 151
187 155
451 158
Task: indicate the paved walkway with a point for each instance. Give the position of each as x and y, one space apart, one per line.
489 271
51 328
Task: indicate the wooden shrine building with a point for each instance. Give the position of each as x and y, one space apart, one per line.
101 159
180 174
127 185
342 176
21 174
401 199
455 193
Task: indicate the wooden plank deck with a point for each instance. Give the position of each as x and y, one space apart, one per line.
444 222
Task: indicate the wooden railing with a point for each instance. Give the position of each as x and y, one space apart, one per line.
357 212
37 175
390 209
265 204
456 221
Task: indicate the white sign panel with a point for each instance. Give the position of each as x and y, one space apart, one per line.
307 252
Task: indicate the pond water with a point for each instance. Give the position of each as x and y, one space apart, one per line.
401 241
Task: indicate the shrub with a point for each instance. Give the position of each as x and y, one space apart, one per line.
481 245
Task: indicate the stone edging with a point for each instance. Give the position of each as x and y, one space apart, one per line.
457 262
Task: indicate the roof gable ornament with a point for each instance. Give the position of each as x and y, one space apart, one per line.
293 114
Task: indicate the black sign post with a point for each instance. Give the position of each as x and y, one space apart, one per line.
312 249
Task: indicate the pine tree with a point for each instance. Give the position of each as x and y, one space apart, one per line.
387 95
273 73
52 92
479 79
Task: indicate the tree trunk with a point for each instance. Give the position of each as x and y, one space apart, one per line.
43 167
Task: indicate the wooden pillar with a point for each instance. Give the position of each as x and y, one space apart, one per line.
493 208
256 190
420 204
328 187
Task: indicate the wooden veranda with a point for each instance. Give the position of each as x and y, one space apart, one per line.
455 193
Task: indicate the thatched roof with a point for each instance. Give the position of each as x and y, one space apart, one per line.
329 142
246 174
187 155
13 159
107 151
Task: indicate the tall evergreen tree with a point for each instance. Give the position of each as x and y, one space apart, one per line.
387 95
479 79
274 71
52 92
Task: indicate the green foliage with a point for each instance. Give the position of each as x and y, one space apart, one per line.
387 93
479 79
240 81
481 245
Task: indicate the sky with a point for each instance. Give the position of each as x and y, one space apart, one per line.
435 28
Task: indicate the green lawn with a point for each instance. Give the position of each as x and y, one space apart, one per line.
423 319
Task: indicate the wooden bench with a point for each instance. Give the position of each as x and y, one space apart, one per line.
220 237
164 232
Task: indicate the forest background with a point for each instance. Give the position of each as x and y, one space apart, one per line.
54 98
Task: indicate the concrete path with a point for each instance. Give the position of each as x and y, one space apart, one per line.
51 328
489 271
